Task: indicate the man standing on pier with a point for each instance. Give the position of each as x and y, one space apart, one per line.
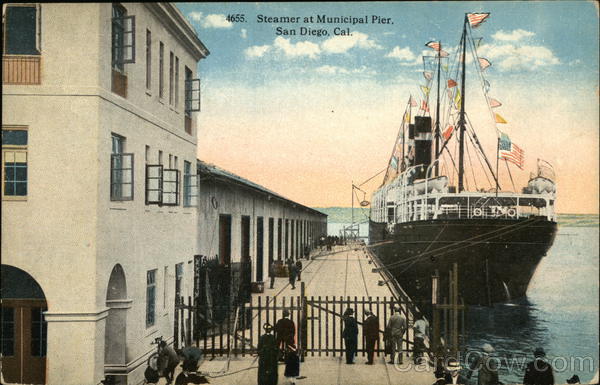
350 335
487 366
272 273
371 333
539 371
285 330
396 327
291 273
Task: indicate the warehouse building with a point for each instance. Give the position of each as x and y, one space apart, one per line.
244 224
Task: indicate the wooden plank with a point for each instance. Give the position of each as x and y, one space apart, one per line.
320 322
334 335
327 325
312 327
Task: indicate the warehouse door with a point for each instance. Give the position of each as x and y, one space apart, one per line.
259 248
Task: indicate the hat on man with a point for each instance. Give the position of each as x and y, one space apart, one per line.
539 352
487 348
368 312
453 365
397 307
286 313
574 379
349 311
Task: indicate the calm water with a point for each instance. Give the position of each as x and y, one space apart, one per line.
559 314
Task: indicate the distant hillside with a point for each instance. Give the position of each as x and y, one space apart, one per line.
344 214
361 214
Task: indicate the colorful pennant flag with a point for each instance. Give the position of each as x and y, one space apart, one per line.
435 45
394 163
424 106
484 63
445 68
444 53
477 42
451 83
475 19
510 151
500 119
494 103
425 90
457 99
428 75
413 102
407 116
486 86
448 132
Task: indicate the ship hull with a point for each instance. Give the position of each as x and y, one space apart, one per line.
496 257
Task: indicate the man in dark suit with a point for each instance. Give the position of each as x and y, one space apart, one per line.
350 335
539 371
285 330
371 333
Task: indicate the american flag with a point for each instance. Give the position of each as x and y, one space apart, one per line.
475 19
434 44
510 151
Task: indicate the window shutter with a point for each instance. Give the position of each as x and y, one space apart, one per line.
192 190
154 184
121 177
192 95
170 187
124 45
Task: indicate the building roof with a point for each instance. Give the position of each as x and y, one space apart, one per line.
227 176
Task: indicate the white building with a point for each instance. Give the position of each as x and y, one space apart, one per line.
99 186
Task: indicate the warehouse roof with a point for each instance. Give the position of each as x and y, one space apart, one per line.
211 170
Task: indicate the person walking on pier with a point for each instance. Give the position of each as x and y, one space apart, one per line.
371 333
487 367
539 371
396 327
168 361
350 335
299 269
285 331
291 273
272 273
421 328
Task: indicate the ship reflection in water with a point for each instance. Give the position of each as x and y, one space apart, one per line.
559 314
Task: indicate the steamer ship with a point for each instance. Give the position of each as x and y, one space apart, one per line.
429 214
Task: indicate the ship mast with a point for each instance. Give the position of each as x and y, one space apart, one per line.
462 120
437 112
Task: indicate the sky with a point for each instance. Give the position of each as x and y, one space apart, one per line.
307 115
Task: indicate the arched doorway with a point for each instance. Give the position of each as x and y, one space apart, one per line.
24 330
115 343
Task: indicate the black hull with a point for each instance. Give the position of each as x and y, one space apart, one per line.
496 257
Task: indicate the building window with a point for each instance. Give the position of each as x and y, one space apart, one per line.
121 171
176 82
14 163
171 73
161 68
190 186
148 60
8 331
150 297
21 29
162 185
123 38
39 332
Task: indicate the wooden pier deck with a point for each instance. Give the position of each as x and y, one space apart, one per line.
345 271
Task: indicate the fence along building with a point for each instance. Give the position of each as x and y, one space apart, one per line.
99 186
242 223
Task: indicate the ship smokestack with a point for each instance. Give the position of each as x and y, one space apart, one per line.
423 141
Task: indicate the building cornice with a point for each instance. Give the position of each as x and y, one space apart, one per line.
177 24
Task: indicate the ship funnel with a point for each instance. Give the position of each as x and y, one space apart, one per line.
423 140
